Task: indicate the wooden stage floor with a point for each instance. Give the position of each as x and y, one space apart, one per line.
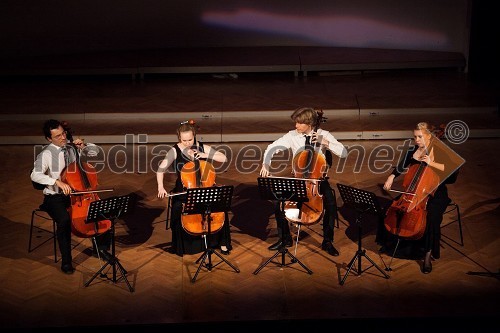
462 290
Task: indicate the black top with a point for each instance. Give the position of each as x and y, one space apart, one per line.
440 154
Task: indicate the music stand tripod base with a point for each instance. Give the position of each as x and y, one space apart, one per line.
282 189
205 201
363 202
109 209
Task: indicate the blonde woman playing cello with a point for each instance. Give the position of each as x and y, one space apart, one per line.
428 152
306 119
185 150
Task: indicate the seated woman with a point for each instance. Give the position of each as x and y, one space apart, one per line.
185 150
429 151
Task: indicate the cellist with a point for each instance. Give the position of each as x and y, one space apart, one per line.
185 150
426 150
305 119
48 166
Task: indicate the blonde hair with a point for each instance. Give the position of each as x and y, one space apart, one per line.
305 115
424 127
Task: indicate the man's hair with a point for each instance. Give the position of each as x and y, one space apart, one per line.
49 125
305 115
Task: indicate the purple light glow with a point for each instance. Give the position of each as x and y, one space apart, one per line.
331 30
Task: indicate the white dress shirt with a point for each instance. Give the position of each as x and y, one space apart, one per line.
48 167
296 141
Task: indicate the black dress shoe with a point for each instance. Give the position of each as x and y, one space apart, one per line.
278 244
427 264
67 268
426 267
225 252
328 247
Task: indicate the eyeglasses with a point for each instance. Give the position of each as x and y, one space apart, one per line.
60 136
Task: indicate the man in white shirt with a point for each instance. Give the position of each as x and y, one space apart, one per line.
48 166
306 131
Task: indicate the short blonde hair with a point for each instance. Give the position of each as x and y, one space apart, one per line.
305 115
424 127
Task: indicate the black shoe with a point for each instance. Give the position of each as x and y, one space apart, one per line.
427 264
328 247
427 267
278 244
225 252
67 268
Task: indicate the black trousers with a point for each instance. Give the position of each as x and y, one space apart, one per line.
57 207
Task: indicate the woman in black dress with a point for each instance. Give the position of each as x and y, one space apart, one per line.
185 150
427 149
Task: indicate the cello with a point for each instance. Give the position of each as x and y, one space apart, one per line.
312 166
82 177
407 216
196 174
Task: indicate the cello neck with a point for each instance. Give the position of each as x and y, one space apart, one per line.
76 166
416 177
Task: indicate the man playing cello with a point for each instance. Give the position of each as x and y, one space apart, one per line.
48 166
306 130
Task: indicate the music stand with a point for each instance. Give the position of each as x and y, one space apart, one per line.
282 189
109 209
363 202
204 201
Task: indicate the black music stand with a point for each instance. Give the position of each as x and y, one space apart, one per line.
109 209
204 201
282 189
363 202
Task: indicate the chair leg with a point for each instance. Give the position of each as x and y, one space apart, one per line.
31 230
32 226
456 208
336 209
